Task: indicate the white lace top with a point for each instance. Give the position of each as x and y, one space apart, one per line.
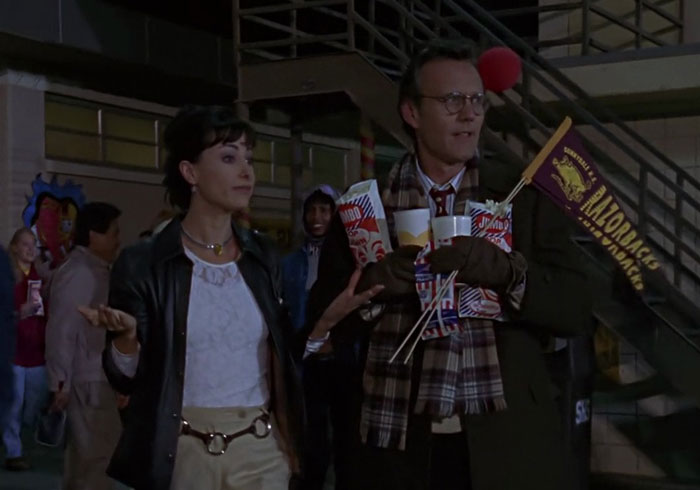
227 350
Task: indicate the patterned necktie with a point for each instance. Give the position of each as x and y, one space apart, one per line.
440 198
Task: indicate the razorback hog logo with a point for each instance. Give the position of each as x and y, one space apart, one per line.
499 225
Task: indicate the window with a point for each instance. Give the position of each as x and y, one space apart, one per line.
82 131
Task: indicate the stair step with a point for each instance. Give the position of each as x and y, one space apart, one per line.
608 392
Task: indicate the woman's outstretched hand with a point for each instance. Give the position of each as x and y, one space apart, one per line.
343 304
109 319
116 321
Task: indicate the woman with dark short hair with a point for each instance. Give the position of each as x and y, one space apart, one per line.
197 328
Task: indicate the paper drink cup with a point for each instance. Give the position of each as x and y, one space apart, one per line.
412 226
447 227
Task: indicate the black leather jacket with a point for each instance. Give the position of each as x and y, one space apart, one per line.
151 281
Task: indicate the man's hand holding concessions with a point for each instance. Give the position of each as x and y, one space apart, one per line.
479 262
396 271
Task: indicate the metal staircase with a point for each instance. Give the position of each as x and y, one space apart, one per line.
603 26
297 47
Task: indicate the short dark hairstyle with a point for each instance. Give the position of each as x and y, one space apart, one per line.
94 216
436 49
194 129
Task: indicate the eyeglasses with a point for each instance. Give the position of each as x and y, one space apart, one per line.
455 101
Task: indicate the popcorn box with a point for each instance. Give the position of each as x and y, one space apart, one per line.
362 213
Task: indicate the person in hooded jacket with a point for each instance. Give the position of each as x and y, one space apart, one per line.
327 374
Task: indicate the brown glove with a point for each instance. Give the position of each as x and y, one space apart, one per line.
479 262
396 272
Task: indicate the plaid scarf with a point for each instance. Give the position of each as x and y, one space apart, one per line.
460 374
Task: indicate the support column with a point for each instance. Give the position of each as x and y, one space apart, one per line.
366 148
21 145
296 178
554 27
691 22
242 110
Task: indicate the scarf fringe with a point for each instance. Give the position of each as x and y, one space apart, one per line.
468 407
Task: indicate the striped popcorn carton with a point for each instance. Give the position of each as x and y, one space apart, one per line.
362 214
480 302
445 321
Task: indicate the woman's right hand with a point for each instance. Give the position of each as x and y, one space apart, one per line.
110 319
123 324
345 303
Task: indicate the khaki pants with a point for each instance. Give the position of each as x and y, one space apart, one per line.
93 431
248 463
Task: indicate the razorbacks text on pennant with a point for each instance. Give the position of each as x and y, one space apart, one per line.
565 172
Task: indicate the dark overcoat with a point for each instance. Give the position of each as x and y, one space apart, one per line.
520 448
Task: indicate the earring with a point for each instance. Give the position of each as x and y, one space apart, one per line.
194 188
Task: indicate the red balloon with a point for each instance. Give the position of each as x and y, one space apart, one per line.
499 68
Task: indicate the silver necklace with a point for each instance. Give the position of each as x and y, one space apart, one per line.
217 248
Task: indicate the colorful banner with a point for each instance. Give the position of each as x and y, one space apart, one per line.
50 213
566 173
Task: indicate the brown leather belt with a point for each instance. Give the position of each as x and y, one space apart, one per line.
217 442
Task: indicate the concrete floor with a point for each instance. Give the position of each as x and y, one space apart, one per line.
47 467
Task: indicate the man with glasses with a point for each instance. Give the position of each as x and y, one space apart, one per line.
472 410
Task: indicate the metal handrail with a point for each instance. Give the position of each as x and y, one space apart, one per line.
613 18
587 29
387 46
289 6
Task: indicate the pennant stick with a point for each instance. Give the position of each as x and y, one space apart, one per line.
512 194
439 296
501 206
531 169
428 311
